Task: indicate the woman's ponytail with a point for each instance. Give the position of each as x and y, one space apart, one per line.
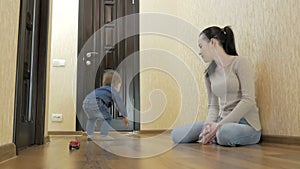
229 44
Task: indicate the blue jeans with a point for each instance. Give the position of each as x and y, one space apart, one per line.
229 134
95 110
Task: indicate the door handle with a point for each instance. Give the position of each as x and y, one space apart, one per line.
90 54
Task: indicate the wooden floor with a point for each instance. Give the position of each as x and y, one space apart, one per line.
102 155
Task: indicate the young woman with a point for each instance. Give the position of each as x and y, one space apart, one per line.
232 117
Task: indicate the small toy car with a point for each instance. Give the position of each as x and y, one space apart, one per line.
74 144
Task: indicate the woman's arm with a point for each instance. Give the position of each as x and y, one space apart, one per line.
213 103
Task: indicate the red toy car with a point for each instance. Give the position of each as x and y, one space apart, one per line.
74 144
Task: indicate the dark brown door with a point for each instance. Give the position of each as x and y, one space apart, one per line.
31 73
103 44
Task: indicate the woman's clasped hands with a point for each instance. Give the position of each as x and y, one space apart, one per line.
209 131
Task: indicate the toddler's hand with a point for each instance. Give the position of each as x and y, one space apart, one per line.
126 121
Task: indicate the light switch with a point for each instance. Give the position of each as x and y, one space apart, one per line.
58 62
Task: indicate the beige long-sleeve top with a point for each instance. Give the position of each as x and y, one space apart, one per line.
231 94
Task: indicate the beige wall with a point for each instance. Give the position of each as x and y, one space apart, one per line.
62 80
181 106
9 19
267 33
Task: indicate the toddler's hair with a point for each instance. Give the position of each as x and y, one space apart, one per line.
111 78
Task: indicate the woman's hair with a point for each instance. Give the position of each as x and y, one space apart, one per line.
225 38
111 78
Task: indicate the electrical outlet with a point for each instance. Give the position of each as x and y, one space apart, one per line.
57 117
